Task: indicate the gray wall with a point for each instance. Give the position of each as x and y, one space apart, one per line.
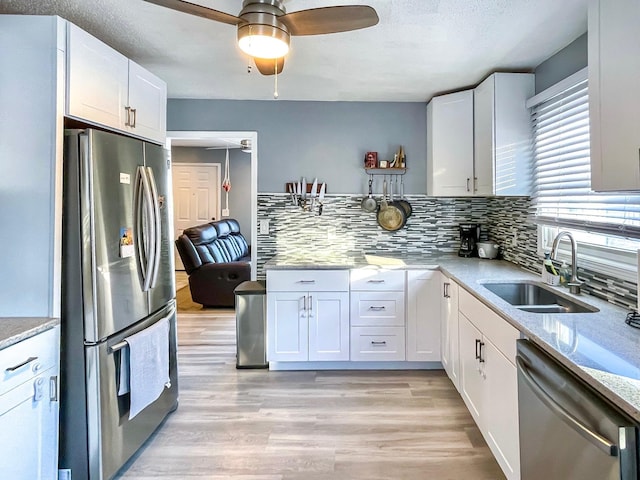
566 62
327 140
240 174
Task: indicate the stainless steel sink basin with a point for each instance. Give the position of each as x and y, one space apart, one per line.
536 298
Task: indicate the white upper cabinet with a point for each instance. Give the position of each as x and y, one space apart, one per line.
479 141
450 145
106 88
502 135
614 94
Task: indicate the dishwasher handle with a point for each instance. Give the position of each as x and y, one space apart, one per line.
592 437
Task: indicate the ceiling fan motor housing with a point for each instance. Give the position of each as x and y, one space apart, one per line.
261 18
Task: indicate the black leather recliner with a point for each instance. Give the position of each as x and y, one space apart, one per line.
217 258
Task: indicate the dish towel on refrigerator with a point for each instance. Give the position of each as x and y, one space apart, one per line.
147 366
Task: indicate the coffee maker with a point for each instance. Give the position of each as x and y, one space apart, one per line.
469 236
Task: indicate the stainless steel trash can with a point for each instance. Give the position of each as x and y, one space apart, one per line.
251 325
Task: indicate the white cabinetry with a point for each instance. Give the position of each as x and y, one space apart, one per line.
450 144
449 330
488 379
29 408
423 315
377 315
479 141
32 54
614 94
106 88
502 134
308 315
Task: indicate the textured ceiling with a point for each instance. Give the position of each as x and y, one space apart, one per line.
419 48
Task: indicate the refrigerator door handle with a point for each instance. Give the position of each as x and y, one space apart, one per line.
138 227
149 228
145 228
583 430
157 238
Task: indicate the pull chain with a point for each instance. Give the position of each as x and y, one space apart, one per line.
275 92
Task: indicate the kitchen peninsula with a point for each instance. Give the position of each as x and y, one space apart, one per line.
359 311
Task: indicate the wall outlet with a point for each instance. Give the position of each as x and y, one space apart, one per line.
264 227
514 237
225 212
64 474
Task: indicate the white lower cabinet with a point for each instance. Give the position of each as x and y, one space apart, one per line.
307 324
423 315
449 338
488 379
29 408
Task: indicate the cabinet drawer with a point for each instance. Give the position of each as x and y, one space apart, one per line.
502 334
385 309
377 280
377 344
307 280
28 358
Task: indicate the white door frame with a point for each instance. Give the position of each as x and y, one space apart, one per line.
253 137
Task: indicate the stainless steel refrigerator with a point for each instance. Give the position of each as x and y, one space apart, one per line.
118 279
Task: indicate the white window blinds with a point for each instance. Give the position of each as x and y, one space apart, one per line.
562 170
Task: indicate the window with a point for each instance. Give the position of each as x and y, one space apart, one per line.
606 226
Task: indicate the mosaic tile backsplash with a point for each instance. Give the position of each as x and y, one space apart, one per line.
433 228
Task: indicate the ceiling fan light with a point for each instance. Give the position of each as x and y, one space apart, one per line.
263 41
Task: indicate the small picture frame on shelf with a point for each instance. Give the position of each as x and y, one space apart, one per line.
371 160
384 164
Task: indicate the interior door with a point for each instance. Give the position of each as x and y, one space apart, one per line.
196 197
157 159
108 237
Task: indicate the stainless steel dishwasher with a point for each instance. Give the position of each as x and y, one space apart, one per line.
568 431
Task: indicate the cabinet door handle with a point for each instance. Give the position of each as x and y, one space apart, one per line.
310 306
307 282
475 184
446 290
480 358
21 364
378 343
376 309
478 342
53 388
127 121
375 281
468 189
133 115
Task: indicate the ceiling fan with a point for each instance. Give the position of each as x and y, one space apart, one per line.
264 26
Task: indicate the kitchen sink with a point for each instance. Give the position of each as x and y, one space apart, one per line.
536 298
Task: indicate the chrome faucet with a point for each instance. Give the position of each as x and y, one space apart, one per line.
575 283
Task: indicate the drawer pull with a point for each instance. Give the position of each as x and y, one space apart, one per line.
378 343
20 365
375 281
307 282
376 309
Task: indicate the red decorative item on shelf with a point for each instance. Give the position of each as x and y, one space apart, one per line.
371 160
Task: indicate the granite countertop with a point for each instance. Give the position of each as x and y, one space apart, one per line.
14 330
598 347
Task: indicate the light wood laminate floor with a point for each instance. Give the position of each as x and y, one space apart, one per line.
262 425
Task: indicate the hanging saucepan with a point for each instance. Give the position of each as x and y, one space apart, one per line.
408 209
370 204
391 216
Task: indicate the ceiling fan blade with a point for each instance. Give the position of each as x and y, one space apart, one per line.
199 10
318 21
266 66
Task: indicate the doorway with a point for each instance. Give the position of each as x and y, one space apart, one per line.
211 140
